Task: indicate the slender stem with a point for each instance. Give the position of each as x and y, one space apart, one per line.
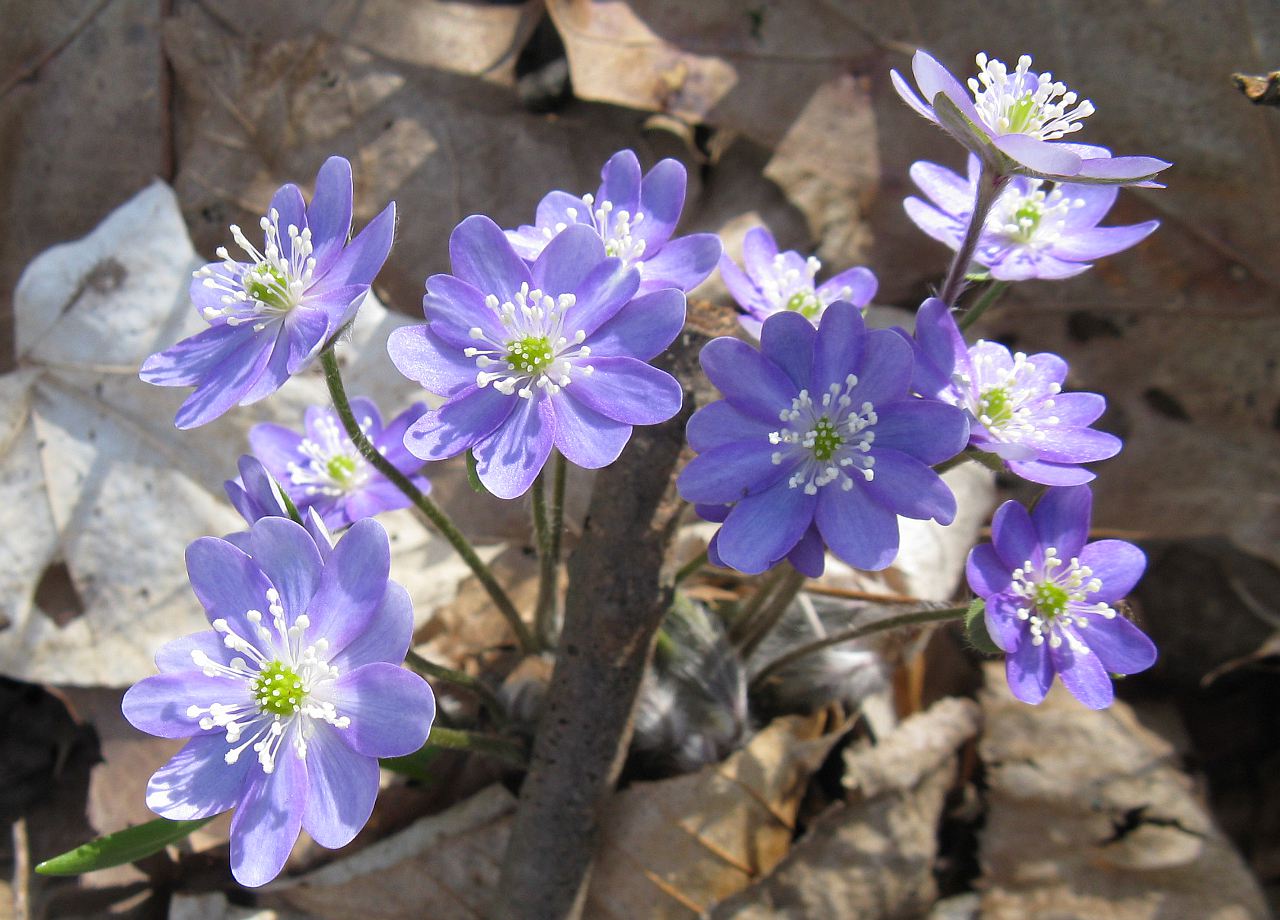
548 522
772 612
692 566
994 292
429 509
473 685
490 745
989 186
913 618
741 624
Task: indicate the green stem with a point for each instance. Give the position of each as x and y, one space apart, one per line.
548 524
692 566
989 186
457 739
462 679
913 618
430 510
994 292
771 612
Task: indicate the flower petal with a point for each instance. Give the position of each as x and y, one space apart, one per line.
763 528
1004 626
1122 170
341 788
643 328
602 294
1029 670
620 182
158 704
363 257
1077 445
305 330
855 285
1078 410
224 385
567 260
227 583
720 423
197 782
1121 647
1097 242
193 359
585 437
909 488
787 340
909 96
288 204
266 824
1014 536
1061 519
838 350
1040 157
628 390
948 191
509 459
176 655
453 308
329 215
482 257
986 572
1117 564
385 636
1090 203
682 263
287 555
885 373
351 587
935 223
662 193
857 528
809 555
429 361
470 416
731 472
750 381
1083 675
1050 474
391 709
928 430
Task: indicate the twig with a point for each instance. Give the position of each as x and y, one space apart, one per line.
472 685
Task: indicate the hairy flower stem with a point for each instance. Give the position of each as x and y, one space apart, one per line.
461 679
691 567
767 617
740 628
548 525
994 292
489 745
989 186
913 618
430 510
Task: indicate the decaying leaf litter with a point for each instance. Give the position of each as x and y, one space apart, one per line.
254 101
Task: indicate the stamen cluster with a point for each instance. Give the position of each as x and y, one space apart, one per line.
1023 102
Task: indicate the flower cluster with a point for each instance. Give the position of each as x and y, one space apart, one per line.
1035 229
1051 598
772 281
291 698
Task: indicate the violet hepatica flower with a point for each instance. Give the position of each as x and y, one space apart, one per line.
292 698
818 441
322 469
1050 599
635 218
536 356
271 314
1035 229
255 494
1016 406
771 281
1016 121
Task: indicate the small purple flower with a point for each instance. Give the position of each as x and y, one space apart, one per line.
635 218
1015 402
818 440
322 469
1049 599
255 494
1035 229
1015 122
776 281
535 356
288 710
271 315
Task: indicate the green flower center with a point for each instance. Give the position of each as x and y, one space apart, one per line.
341 469
1022 113
530 355
268 286
278 690
805 304
1051 599
1027 218
826 441
995 407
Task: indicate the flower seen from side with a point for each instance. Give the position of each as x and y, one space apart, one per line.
1035 229
770 282
535 356
271 310
256 494
1051 599
635 217
1017 120
291 698
321 468
817 442
1015 403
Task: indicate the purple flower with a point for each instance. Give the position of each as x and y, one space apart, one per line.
288 710
817 441
255 494
776 281
1015 122
1016 406
635 217
322 469
1035 229
271 315
1049 599
536 356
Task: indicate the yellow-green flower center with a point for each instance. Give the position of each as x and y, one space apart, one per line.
805 304
341 468
278 689
1021 114
1027 219
267 284
826 441
1051 599
530 355
995 407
